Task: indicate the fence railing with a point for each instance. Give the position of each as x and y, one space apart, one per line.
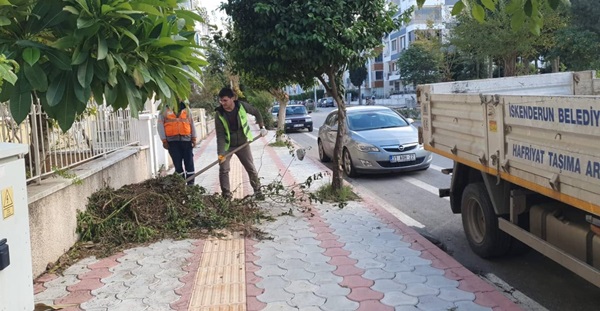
99 131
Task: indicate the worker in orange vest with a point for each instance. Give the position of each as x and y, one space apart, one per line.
178 134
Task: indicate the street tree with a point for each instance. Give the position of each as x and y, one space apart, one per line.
522 13
419 65
358 75
311 39
117 52
501 42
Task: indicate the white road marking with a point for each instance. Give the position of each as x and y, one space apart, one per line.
407 220
311 135
425 186
435 167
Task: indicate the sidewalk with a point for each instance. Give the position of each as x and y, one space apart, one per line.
357 258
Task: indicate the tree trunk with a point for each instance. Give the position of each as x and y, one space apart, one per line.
510 66
359 95
556 64
334 89
490 63
283 99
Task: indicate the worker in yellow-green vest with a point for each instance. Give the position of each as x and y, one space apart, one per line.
233 130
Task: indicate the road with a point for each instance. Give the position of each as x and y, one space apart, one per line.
415 194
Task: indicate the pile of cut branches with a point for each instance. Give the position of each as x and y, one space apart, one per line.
160 208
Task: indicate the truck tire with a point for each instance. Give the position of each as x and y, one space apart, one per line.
481 223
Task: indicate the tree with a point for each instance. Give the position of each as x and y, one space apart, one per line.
299 40
418 65
501 42
120 52
521 12
358 75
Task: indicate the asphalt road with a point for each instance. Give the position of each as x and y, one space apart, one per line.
544 282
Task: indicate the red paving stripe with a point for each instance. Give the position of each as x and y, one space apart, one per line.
38 284
252 291
373 305
107 262
185 292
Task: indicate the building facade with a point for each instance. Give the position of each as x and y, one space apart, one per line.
384 79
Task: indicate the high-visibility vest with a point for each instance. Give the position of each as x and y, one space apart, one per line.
177 126
243 119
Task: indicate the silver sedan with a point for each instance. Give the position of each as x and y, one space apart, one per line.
378 140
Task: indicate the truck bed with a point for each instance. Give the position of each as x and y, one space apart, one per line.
541 132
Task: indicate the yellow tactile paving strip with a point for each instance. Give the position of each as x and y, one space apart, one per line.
220 283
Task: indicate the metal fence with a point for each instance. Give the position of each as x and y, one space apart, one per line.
98 131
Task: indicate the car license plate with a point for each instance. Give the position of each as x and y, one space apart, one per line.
298 125
403 158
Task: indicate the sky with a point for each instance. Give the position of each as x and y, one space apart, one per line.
215 15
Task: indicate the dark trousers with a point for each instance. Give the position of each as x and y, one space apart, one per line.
182 154
245 157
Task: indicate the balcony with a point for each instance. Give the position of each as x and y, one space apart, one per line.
393 76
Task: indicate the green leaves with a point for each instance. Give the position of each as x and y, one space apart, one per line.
31 55
478 13
458 7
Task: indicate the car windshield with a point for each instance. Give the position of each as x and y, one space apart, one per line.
296 110
371 120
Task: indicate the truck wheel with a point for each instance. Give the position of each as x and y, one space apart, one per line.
322 156
481 223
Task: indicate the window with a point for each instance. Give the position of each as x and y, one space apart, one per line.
379 58
394 45
378 75
402 43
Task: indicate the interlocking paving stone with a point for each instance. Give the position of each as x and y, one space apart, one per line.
419 289
455 295
320 267
270 270
298 274
101 300
398 298
396 266
428 271
293 263
291 254
433 303
439 281
273 282
331 289
378 274
300 286
325 278
337 303
385 286
307 299
409 278
275 294
279 306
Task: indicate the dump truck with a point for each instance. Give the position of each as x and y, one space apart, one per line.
526 171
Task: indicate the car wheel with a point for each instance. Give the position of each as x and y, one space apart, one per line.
347 164
480 223
310 128
322 156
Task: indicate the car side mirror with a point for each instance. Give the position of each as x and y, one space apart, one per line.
410 120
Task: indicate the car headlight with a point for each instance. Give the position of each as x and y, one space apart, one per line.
366 147
288 121
308 120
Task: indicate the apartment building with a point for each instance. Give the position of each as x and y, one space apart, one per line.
383 77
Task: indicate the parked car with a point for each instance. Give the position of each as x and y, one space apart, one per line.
328 102
275 113
378 140
297 118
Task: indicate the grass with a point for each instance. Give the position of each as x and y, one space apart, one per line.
327 194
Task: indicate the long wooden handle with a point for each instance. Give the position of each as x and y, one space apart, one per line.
228 154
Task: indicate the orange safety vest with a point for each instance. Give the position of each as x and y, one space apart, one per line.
175 126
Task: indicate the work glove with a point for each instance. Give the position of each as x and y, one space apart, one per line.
165 145
221 158
263 132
